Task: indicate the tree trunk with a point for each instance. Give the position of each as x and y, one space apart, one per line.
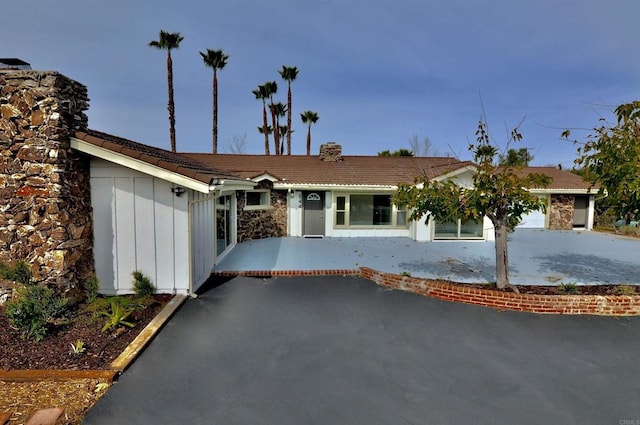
309 140
171 106
289 120
502 256
276 132
215 111
265 125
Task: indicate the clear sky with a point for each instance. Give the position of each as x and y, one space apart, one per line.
376 71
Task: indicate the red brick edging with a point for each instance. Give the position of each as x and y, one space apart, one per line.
609 305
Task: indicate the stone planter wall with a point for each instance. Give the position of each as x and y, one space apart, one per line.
561 212
45 210
262 224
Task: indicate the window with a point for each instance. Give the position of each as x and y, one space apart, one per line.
223 223
458 230
257 199
368 210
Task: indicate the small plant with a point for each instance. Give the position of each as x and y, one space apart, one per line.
117 317
405 274
142 285
568 289
19 272
77 348
91 287
34 309
102 386
625 290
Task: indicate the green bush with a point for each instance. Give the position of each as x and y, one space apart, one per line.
33 310
20 272
568 289
91 288
625 290
142 284
117 317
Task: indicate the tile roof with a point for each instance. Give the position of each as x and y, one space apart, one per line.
561 179
352 170
302 169
170 161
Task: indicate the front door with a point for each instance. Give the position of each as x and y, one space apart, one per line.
313 213
580 207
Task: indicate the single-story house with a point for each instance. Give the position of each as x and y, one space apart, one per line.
175 215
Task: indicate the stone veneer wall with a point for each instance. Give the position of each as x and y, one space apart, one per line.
262 224
561 212
45 210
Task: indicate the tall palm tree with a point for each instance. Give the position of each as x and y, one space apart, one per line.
309 118
280 110
261 94
215 59
289 74
271 88
169 41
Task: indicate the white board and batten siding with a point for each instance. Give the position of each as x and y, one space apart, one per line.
202 237
138 224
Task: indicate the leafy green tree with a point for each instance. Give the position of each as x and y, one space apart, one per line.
169 41
516 157
611 158
261 94
289 74
399 152
499 193
309 118
215 59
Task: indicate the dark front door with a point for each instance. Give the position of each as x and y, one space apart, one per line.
580 207
313 205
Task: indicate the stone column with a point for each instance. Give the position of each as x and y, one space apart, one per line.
45 209
561 212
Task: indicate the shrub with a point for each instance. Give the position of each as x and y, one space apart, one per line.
142 284
33 309
117 317
91 288
568 289
20 272
624 290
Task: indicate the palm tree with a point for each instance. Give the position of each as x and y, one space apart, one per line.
169 41
271 88
261 94
280 110
289 74
215 59
309 118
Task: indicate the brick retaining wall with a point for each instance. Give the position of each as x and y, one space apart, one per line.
609 305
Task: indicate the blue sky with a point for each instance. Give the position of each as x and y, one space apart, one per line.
376 71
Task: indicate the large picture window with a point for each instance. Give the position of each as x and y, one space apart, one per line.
458 230
368 210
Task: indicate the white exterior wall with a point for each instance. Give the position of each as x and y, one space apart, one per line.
138 224
294 213
203 246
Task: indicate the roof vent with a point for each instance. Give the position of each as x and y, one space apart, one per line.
14 63
331 152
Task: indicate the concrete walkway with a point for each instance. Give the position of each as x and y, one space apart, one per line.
537 257
341 350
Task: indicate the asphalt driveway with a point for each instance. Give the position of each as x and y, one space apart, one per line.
341 350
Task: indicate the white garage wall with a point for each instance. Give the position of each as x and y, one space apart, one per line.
138 225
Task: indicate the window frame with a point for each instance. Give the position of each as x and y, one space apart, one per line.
344 214
265 200
459 235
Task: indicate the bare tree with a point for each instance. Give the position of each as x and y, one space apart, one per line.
237 144
422 147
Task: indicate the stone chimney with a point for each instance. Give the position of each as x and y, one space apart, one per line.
331 152
45 208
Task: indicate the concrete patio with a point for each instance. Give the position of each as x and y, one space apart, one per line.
536 257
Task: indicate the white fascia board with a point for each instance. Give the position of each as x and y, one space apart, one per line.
333 187
564 191
136 164
457 172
